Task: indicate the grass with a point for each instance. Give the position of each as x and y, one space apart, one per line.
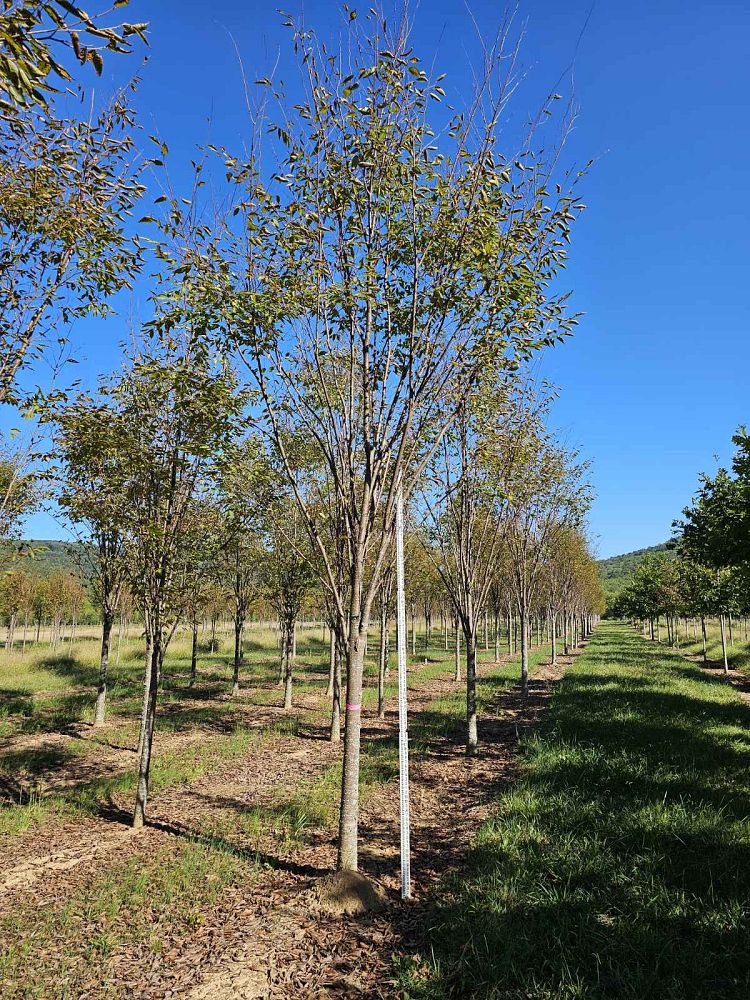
618 866
142 904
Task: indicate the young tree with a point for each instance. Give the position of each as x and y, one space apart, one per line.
244 494
170 414
91 495
377 273
545 490
287 577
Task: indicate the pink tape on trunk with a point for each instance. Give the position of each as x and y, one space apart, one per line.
353 708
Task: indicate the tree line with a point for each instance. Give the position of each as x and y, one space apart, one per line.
710 574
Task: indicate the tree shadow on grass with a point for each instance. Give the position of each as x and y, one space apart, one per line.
618 866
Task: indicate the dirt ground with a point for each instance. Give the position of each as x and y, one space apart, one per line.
265 938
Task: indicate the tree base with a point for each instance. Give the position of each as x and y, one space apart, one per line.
348 894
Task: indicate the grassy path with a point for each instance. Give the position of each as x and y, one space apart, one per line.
618 866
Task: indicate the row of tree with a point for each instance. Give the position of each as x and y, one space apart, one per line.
348 331
710 575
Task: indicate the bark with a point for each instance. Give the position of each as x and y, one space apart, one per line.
349 817
239 625
146 692
524 648
457 655
101 694
282 655
471 695
553 636
510 635
331 662
703 635
382 659
147 733
336 696
724 643
194 653
289 667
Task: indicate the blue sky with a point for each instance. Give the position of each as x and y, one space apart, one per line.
654 382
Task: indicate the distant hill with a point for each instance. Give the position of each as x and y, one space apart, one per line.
617 570
42 556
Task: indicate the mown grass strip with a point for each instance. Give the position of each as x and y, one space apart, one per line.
619 864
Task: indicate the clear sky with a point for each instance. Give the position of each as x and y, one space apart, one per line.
655 380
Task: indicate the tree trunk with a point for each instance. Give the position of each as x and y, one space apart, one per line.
282 655
289 668
471 693
194 653
382 659
457 655
510 635
146 691
101 694
497 638
349 817
524 648
724 643
147 732
336 694
703 634
239 624
553 636
331 661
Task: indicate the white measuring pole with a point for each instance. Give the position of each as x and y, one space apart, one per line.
403 731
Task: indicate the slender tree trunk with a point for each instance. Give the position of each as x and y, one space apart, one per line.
724 643
382 658
703 635
101 694
497 638
524 648
239 625
289 667
349 816
147 731
510 635
553 636
457 655
194 652
336 699
731 634
282 656
331 661
471 692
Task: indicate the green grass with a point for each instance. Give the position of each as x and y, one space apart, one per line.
618 866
